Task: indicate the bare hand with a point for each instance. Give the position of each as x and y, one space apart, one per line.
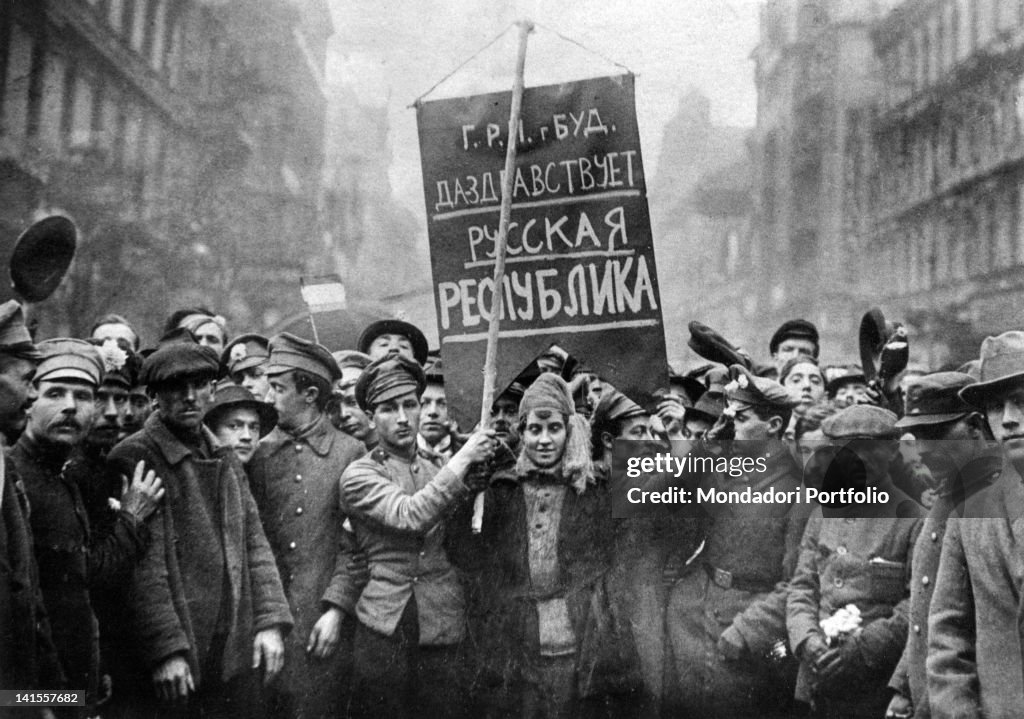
268 646
143 496
672 413
900 707
323 640
172 680
479 447
813 647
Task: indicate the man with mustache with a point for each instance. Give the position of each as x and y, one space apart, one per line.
73 558
505 415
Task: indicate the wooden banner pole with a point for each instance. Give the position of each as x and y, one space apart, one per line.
491 358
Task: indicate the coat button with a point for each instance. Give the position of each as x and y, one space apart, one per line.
292 545
298 510
415 469
935 536
298 447
924 581
917 629
837 582
840 549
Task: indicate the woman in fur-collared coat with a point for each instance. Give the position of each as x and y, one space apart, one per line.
546 547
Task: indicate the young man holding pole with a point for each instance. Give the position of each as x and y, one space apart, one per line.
412 614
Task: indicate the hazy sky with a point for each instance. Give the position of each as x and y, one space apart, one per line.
392 51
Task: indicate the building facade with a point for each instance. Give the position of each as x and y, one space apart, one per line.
938 173
184 137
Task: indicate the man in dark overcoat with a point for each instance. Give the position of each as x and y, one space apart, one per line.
727 610
206 599
74 556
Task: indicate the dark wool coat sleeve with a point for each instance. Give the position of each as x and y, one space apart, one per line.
161 631
269 605
764 622
804 590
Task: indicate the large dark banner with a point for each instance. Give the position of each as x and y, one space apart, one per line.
580 269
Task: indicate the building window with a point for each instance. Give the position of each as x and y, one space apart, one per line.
140 18
115 14
67 104
973 22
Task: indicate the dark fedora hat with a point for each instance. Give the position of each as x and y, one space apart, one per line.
230 396
395 327
1002 365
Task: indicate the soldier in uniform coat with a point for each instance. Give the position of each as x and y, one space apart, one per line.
859 555
724 614
412 612
974 649
954 441
73 556
294 476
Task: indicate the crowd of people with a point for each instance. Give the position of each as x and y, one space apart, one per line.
267 527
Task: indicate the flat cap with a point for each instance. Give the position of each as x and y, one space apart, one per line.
244 352
177 358
388 378
935 399
64 358
13 330
615 406
288 352
794 329
749 390
229 396
861 421
395 327
351 358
